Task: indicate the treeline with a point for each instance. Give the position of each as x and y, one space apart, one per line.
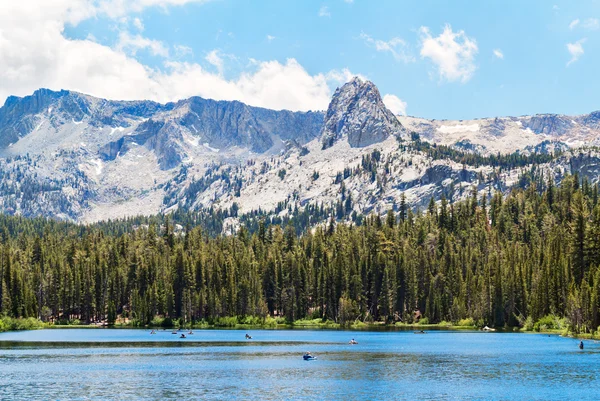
497 260
474 159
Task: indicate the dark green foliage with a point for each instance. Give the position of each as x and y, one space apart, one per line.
498 261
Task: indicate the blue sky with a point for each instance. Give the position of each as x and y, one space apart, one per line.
443 59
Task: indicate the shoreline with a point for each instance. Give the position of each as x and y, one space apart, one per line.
314 324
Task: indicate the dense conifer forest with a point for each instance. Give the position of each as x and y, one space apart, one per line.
500 261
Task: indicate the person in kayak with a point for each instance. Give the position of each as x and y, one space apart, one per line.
182 335
248 337
580 344
308 356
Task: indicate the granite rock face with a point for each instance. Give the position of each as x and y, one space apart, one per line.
160 127
549 124
357 112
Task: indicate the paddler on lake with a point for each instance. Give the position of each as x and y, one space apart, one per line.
248 337
580 344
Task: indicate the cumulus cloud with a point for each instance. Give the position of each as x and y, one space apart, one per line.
270 38
453 53
397 47
575 50
34 53
498 54
324 12
337 77
395 104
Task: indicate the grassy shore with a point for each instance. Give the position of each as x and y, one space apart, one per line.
10 324
248 323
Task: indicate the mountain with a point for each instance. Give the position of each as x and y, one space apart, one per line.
510 134
75 157
357 113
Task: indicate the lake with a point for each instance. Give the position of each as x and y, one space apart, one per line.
127 364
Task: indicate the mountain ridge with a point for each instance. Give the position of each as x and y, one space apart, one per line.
76 157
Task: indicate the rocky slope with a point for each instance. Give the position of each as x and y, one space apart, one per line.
509 134
357 113
71 156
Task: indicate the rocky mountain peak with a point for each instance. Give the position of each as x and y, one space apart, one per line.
357 112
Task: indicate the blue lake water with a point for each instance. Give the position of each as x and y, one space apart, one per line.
81 364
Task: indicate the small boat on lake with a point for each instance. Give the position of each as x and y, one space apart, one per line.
420 332
308 356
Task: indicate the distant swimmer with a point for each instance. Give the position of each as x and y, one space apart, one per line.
191 332
182 336
580 344
353 342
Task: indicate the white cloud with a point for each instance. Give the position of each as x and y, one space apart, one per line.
183 51
270 38
349 1
498 54
453 53
591 24
574 23
339 77
138 24
324 12
395 104
397 47
132 44
272 85
117 8
216 60
34 53
575 50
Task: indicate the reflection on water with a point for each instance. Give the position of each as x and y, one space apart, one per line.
132 364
